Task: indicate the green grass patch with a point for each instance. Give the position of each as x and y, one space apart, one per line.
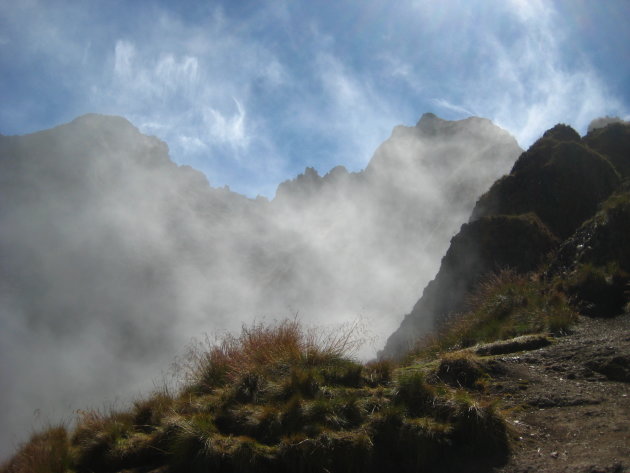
504 306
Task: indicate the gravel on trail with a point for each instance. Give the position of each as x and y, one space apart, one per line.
568 404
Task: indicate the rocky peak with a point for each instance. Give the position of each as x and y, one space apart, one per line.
603 122
554 187
562 132
430 123
612 141
303 186
559 178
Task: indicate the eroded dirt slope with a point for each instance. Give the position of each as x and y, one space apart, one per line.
569 403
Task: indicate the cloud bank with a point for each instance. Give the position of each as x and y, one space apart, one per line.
114 257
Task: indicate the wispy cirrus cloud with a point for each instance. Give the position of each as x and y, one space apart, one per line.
532 83
252 95
514 62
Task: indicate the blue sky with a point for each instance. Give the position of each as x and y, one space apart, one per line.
251 92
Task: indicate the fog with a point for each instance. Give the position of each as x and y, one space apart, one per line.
114 258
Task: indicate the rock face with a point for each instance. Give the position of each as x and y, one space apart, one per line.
612 141
601 240
553 189
559 178
115 256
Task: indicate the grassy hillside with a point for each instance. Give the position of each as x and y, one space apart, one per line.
283 398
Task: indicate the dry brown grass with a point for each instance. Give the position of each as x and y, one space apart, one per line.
260 349
45 452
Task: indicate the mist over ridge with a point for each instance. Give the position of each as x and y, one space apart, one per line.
114 256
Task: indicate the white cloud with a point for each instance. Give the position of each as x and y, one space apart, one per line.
192 144
174 73
530 10
124 53
350 111
526 79
227 129
445 104
534 87
192 86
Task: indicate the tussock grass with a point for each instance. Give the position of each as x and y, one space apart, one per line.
413 392
461 369
261 349
379 372
149 412
45 452
282 398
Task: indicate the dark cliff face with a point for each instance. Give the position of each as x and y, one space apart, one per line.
612 141
594 262
559 178
553 188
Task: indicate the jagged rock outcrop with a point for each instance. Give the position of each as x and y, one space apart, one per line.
601 240
553 188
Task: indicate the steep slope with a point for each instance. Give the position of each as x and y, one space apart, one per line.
552 189
113 257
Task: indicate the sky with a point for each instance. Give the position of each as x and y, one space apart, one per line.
251 92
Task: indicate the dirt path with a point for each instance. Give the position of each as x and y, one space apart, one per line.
569 403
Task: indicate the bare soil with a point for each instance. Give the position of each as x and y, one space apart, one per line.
568 404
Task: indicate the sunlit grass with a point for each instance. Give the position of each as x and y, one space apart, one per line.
505 305
279 398
45 452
